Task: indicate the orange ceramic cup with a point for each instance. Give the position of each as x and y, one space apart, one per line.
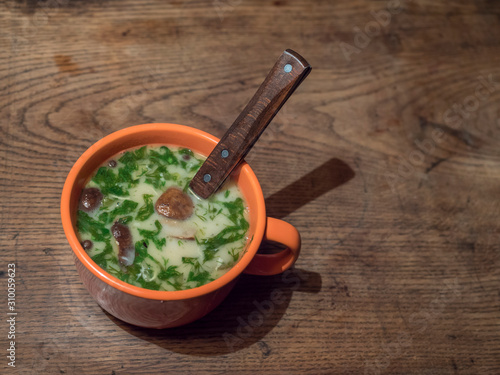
157 309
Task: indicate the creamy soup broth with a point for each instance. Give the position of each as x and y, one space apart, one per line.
121 205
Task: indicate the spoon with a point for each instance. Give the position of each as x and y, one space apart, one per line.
286 75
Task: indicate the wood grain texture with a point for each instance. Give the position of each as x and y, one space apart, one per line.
386 160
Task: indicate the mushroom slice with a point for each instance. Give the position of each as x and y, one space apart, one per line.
91 199
175 204
122 235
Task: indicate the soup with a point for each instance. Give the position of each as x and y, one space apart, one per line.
138 220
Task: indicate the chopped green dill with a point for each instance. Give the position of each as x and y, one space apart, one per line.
147 210
140 153
103 217
236 209
141 273
211 212
202 218
125 220
226 194
165 156
201 278
197 273
141 251
234 252
109 183
126 207
157 183
196 166
227 235
96 229
129 157
168 273
104 256
178 285
143 172
148 284
125 174
152 235
186 151
193 261
159 173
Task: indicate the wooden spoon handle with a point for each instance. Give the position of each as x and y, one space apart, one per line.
286 75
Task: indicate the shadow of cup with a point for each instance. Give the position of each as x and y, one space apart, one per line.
252 309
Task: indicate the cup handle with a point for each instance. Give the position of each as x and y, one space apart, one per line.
273 264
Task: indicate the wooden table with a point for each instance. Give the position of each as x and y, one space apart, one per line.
386 159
